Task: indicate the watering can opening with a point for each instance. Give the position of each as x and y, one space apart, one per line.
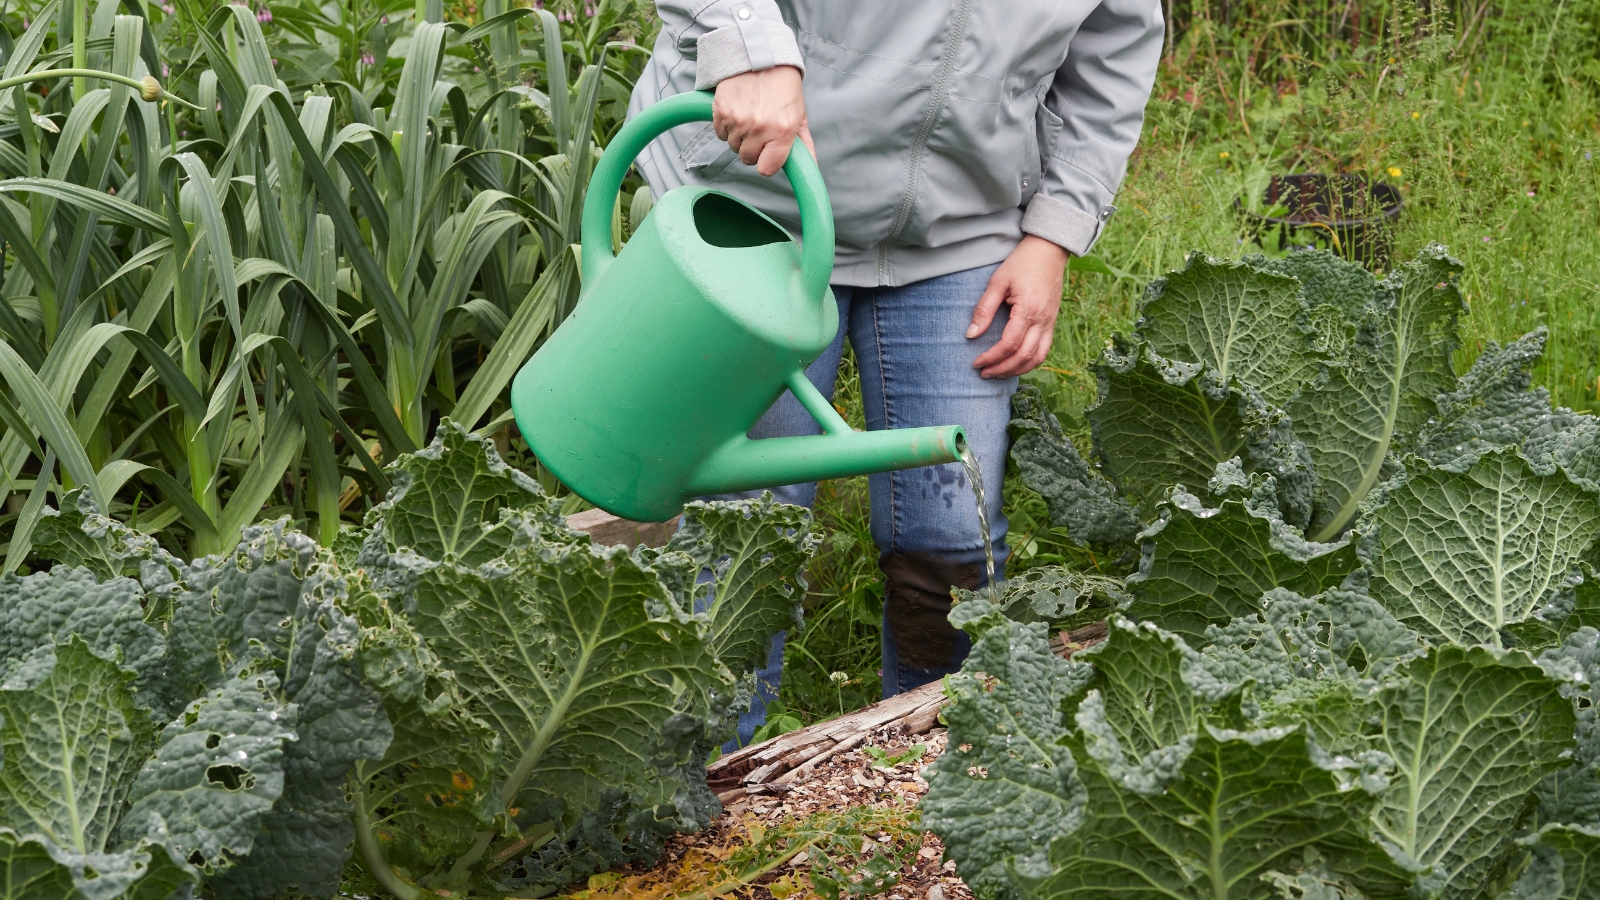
723 221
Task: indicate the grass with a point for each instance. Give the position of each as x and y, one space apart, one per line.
1491 133
1494 159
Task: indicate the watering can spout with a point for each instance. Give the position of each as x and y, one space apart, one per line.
743 464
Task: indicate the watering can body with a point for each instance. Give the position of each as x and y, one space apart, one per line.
641 400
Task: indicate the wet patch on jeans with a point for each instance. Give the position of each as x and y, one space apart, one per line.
946 482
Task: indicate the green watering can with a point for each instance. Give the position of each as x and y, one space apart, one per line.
641 400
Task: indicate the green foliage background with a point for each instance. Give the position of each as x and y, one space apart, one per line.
359 221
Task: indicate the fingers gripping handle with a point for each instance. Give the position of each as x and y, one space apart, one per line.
816 216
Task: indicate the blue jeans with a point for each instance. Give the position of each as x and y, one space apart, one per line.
916 369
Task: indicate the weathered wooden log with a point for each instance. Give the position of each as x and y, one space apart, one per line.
790 757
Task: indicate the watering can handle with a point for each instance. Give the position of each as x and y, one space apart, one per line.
816 215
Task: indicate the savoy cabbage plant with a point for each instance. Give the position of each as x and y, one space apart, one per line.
1354 656
465 696
554 701
169 727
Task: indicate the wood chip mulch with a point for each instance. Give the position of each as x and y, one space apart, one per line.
846 780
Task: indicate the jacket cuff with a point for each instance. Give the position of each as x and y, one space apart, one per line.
748 45
1063 224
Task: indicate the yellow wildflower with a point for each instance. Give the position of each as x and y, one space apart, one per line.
1416 115
1224 155
1394 171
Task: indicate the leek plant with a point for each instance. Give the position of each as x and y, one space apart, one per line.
246 305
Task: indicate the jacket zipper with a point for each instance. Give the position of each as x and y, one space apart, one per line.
930 118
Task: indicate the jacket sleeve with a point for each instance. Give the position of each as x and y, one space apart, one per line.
1095 107
724 38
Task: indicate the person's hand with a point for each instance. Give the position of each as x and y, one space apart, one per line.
1029 280
760 114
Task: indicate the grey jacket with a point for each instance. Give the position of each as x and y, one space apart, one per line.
945 129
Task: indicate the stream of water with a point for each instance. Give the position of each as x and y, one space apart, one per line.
969 462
